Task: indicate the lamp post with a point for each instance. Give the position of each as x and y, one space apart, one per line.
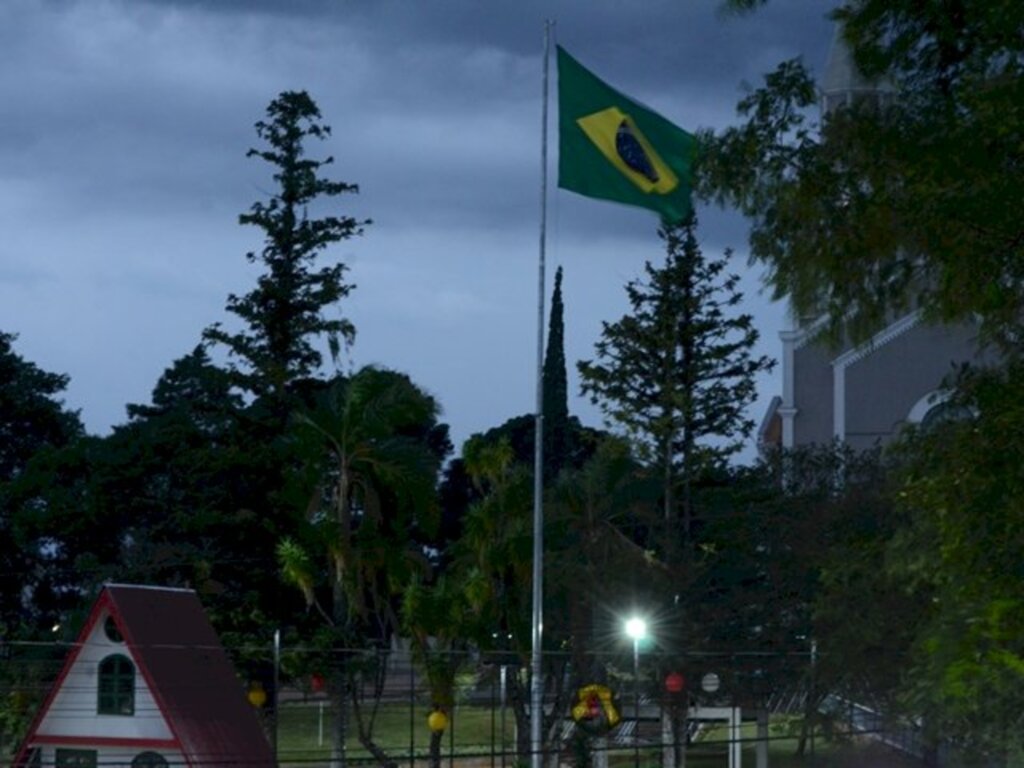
636 628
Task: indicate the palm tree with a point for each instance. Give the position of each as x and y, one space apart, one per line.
370 452
435 617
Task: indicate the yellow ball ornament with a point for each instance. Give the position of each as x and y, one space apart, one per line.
256 695
437 721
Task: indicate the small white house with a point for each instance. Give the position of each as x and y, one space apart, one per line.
147 685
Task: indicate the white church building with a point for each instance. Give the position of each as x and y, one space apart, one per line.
862 394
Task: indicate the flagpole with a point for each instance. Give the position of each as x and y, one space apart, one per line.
537 624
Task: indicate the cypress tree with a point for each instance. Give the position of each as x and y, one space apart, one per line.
556 398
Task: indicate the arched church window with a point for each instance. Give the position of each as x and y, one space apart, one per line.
938 407
944 413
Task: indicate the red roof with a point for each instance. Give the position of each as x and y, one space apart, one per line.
189 674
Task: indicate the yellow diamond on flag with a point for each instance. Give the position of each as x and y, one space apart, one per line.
623 144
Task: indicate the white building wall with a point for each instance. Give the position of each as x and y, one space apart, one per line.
113 757
73 710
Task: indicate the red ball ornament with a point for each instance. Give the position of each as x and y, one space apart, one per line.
674 682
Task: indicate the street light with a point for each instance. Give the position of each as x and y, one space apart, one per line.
636 628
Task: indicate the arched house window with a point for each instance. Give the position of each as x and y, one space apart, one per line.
116 689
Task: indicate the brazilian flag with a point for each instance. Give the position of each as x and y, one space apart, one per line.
612 148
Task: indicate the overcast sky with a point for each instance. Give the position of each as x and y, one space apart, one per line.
123 131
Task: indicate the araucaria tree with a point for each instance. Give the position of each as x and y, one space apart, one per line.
284 314
678 372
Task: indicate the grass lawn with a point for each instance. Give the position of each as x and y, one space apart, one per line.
475 732
472 731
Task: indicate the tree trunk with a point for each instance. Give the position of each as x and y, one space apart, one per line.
365 724
336 699
435 748
517 698
337 688
383 758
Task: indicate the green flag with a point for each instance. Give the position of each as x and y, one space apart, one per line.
612 148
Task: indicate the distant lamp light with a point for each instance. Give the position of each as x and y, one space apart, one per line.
636 628
55 628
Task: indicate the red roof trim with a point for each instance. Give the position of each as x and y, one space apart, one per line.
101 602
107 741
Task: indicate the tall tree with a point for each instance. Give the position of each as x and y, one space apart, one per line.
373 450
913 202
678 372
597 564
172 497
31 415
908 202
494 561
556 390
285 314
181 481
34 427
960 547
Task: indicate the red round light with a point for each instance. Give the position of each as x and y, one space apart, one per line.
674 682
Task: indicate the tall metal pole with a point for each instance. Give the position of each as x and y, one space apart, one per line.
277 685
636 702
814 694
537 633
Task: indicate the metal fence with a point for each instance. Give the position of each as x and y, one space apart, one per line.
733 706
727 703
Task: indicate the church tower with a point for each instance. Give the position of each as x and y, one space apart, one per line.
861 394
843 85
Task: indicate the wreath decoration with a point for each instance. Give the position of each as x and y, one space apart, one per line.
594 711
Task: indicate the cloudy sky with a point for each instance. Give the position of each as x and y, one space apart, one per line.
123 131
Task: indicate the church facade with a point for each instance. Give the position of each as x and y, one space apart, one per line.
863 394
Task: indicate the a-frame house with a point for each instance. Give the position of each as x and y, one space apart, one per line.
147 685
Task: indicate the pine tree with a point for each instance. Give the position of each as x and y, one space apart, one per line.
35 427
31 415
678 372
285 313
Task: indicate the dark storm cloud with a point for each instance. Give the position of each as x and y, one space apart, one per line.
664 44
124 126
